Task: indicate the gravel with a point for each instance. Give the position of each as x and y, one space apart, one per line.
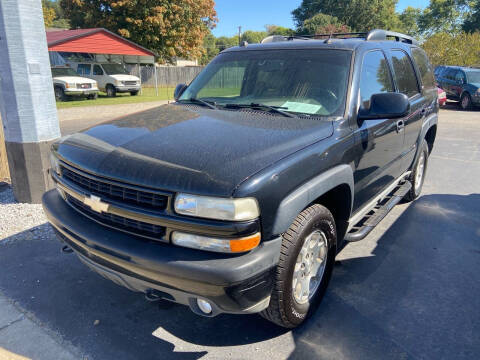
21 221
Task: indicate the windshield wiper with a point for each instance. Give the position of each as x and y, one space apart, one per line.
209 104
276 109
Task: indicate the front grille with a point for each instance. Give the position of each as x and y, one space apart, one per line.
84 86
130 83
117 192
136 227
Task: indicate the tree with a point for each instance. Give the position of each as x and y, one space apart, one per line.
210 49
359 15
53 15
171 28
323 24
461 49
472 21
279 30
48 16
443 16
224 42
254 37
409 21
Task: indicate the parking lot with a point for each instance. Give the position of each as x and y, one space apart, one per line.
410 290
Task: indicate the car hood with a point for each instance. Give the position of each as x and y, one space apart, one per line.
74 79
189 148
123 77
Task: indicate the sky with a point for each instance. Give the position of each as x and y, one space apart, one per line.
255 14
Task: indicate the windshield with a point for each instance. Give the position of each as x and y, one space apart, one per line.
63 72
310 82
114 69
473 76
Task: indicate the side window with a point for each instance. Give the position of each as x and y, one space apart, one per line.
450 74
83 69
424 67
97 70
375 77
459 77
404 73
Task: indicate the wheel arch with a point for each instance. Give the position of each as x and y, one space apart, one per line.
332 189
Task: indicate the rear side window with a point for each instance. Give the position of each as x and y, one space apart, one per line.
83 69
404 73
375 77
424 67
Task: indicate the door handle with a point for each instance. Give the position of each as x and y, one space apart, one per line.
400 125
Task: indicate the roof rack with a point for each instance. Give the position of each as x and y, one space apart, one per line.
373 35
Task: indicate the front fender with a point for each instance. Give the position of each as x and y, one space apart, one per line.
303 196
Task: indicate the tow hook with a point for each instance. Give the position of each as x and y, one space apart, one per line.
67 249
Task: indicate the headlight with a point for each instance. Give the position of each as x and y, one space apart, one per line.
70 85
54 163
118 83
217 208
216 244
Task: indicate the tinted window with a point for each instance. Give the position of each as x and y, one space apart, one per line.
83 69
97 70
473 76
424 67
404 73
459 76
311 82
450 74
375 77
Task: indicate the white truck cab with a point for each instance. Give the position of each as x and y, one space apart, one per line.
111 77
67 83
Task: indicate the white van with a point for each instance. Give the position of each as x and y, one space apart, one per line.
111 77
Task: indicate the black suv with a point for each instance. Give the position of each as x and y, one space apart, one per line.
237 198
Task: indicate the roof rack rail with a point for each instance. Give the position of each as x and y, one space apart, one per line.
373 35
379 35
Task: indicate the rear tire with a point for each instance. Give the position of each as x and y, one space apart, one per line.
289 306
111 91
466 101
417 177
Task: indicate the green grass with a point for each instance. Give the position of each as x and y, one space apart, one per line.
148 94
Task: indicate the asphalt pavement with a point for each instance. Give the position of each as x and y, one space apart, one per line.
410 290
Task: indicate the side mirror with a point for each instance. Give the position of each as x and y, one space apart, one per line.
179 91
386 106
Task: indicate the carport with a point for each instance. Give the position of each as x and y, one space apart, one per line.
97 45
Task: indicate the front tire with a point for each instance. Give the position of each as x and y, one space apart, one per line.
60 94
417 177
466 101
305 267
134 93
111 91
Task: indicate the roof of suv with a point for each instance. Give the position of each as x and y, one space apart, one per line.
330 41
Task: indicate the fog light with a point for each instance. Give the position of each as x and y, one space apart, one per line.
204 306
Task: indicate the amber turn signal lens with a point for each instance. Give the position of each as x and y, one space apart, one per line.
245 244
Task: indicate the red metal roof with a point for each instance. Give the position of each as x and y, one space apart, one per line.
94 41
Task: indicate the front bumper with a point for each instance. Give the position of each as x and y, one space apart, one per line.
231 283
127 88
80 92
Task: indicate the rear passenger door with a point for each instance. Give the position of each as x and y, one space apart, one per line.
406 82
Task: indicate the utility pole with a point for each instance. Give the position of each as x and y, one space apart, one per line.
27 102
239 36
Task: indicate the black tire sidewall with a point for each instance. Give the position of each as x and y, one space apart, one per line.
296 313
469 105
111 91
424 149
59 94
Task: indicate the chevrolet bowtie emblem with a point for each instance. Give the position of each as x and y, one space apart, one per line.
96 204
